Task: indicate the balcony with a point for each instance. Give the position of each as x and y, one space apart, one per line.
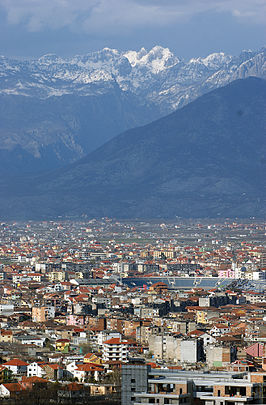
234 400
161 399
235 391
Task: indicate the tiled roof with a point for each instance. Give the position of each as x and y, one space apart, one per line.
88 367
115 341
13 387
15 362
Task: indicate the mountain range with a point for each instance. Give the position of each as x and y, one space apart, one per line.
54 111
206 159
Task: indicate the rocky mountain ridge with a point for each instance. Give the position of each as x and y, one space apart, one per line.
55 110
157 74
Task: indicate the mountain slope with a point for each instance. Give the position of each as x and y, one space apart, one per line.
53 111
206 159
48 133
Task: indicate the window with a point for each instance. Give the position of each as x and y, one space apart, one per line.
133 380
180 391
219 393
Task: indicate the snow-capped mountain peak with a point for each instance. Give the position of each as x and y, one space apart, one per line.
69 106
215 60
157 59
212 61
49 59
156 75
135 57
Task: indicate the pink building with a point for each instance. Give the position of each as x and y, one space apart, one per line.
256 350
226 273
75 320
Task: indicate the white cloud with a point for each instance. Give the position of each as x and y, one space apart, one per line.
113 15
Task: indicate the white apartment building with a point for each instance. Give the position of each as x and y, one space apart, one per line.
115 349
35 370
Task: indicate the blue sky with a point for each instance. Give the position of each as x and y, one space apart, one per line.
188 27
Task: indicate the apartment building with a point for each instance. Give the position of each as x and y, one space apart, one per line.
143 385
55 276
42 313
175 349
115 349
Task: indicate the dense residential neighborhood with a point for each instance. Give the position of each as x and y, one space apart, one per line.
169 313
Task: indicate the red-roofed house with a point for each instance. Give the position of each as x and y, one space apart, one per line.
195 333
74 391
62 345
17 366
219 330
92 358
83 372
10 390
29 382
6 336
53 371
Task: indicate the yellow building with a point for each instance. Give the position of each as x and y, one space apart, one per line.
168 254
202 317
56 276
62 345
92 358
6 336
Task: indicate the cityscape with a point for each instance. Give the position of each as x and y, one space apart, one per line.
132 202
135 311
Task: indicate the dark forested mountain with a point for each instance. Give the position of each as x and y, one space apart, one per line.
207 159
54 111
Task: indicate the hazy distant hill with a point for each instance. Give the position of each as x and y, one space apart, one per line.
38 135
206 159
53 111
